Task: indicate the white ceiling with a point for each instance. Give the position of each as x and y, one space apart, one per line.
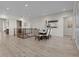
34 8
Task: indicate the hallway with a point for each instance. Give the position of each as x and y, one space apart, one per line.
11 46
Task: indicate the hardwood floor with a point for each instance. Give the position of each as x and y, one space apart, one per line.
11 46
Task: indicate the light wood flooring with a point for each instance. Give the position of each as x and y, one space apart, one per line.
11 46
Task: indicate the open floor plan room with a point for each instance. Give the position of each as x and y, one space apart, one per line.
39 29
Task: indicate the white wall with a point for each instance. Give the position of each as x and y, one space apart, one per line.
13 23
68 21
77 31
1 25
40 21
76 23
25 23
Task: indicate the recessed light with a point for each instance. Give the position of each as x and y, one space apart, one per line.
64 9
26 5
7 8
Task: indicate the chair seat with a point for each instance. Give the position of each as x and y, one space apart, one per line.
41 37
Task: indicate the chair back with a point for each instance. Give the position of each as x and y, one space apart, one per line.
48 31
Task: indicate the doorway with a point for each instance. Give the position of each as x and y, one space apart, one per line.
19 27
68 27
19 24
